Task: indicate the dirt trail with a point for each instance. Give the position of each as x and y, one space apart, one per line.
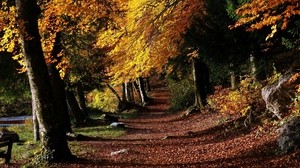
159 139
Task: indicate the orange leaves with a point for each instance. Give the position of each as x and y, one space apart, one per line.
237 101
261 13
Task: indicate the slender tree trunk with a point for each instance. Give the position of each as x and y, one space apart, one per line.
233 80
74 109
148 86
143 94
129 92
253 66
81 100
198 99
123 92
114 92
53 135
59 86
36 130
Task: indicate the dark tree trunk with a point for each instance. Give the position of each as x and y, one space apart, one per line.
148 86
53 135
59 86
123 92
81 100
201 82
74 109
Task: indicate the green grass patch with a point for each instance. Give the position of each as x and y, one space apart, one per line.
25 152
100 131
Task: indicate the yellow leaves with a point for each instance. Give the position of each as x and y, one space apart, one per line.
149 35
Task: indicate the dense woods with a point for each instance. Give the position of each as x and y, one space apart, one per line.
87 56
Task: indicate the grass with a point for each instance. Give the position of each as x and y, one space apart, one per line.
25 152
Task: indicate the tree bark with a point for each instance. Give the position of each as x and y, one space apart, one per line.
59 86
53 135
201 82
253 66
74 109
198 99
129 92
81 100
36 129
143 94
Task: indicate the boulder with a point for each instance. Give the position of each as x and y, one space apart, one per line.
117 125
278 96
289 139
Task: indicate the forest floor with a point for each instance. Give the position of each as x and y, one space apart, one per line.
157 138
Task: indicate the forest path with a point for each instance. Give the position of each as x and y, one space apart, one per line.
157 138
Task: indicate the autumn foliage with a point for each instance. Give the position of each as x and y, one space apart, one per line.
241 101
274 13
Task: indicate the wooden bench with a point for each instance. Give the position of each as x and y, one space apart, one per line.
6 142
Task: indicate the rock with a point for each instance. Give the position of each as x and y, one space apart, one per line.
117 125
119 152
278 96
289 139
191 110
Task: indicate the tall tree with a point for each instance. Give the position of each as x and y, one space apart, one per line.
53 135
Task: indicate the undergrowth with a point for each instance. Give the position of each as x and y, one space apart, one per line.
103 100
243 100
182 94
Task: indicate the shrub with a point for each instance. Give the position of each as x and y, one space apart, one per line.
182 94
243 100
104 100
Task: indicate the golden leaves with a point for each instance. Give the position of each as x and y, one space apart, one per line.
148 35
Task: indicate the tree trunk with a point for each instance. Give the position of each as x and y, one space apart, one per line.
81 100
201 82
36 130
123 92
148 87
233 80
53 135
129 92
253 66
198 99
143 94
74 109
59 86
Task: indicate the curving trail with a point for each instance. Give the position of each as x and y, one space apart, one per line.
207 139
159 139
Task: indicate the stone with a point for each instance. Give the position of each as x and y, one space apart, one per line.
289 138
278 96
119 152
117 125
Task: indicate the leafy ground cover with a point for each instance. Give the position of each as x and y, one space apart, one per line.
156 138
